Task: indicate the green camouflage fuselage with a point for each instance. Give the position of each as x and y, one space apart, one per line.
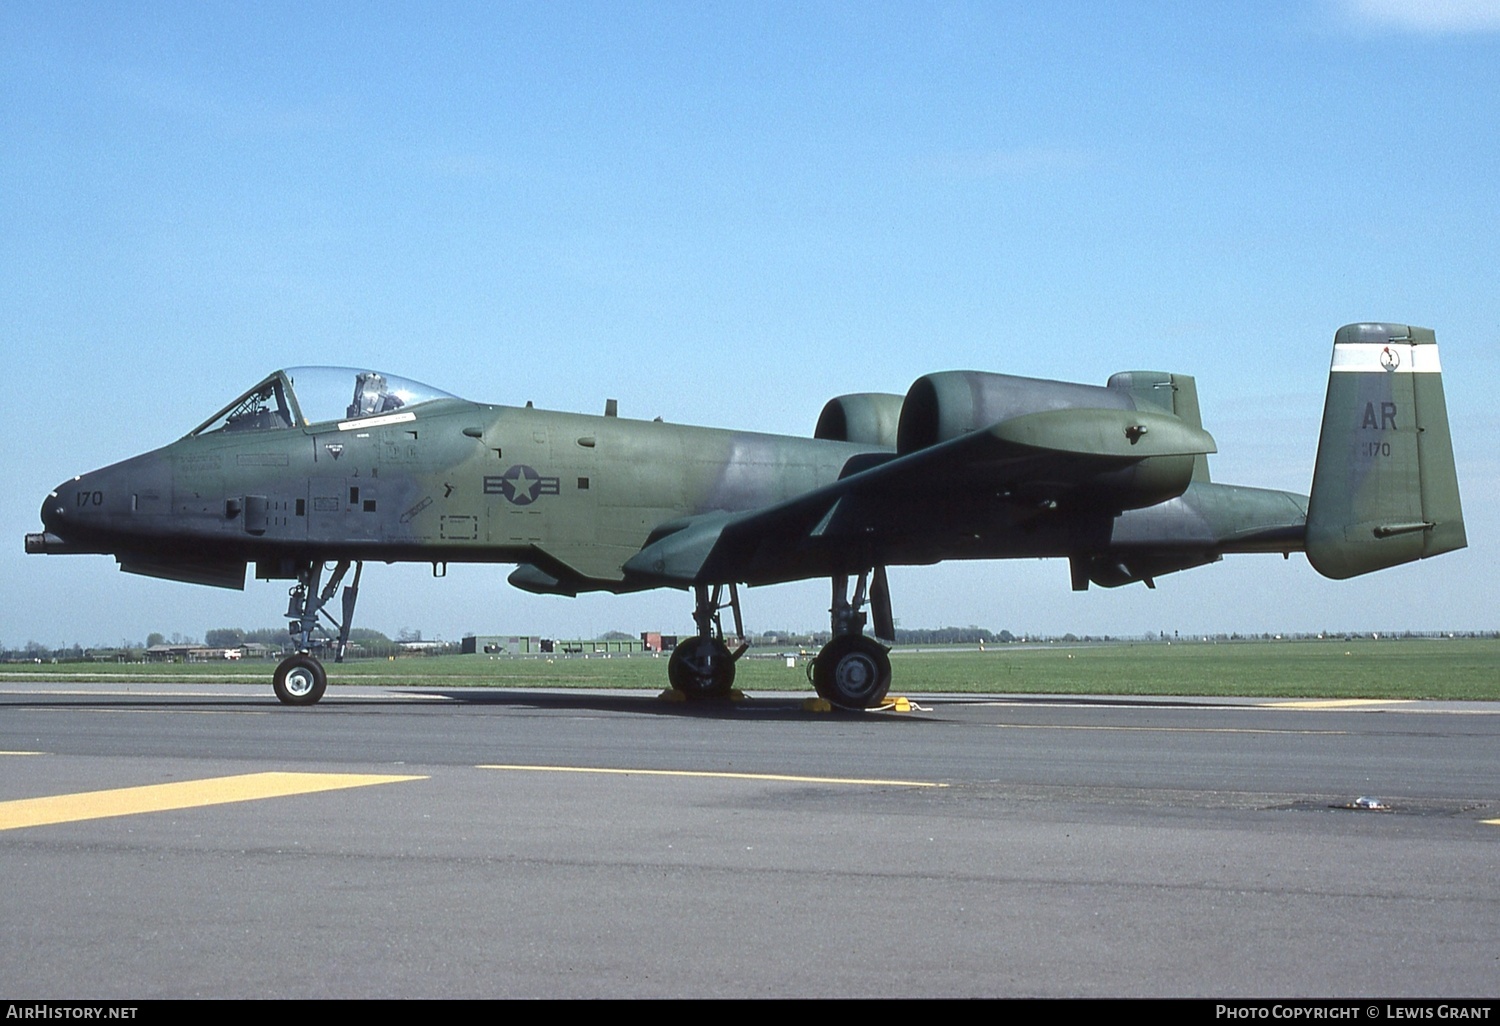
577 496
967 465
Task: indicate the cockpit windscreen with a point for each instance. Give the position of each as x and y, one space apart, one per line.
342 393
299 396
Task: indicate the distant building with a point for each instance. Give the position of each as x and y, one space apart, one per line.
656 641
190 654
421 646
531 645
501 644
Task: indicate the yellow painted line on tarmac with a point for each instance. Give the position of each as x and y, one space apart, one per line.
96 693
1162 730
1336 703
1490 822
381 692
778 777
157 710
185 794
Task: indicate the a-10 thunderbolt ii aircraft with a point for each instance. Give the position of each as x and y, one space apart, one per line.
316 469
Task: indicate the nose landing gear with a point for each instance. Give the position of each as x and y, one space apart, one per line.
300 678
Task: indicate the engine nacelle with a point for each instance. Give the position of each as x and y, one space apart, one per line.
1132 443
942 406
869 418
948 404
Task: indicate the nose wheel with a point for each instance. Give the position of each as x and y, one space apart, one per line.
300 680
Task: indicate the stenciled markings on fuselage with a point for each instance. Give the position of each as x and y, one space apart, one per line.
521 485
406 517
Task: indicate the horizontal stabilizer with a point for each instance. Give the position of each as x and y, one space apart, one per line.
1116 434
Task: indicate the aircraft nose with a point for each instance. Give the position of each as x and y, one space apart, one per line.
56 521
90 510
54 510
80 503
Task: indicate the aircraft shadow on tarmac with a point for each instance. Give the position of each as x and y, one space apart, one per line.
779 706
782 707
788 706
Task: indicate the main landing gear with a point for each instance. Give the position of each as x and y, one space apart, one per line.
703 666
300 679
851 671
854 671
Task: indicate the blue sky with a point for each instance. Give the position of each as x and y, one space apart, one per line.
726 214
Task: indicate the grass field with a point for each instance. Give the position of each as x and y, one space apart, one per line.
1460 668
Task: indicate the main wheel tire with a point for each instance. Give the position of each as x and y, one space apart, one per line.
852 671
701 668
300 680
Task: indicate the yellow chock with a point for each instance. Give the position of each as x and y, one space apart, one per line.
899 704
673 695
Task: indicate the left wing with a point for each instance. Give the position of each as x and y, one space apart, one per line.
1039 470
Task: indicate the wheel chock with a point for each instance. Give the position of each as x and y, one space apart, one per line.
900 704
673 695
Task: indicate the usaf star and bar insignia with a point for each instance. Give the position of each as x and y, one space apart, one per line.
521 485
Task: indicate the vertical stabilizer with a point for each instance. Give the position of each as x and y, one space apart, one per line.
1384 490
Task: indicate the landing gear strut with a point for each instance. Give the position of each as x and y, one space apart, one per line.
300 679
852 670
703 666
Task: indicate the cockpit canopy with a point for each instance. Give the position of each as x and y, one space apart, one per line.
300 396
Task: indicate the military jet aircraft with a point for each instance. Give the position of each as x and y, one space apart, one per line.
319 470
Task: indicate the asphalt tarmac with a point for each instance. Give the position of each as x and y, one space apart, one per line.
203 841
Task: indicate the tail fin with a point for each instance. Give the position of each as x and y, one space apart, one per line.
1384 490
